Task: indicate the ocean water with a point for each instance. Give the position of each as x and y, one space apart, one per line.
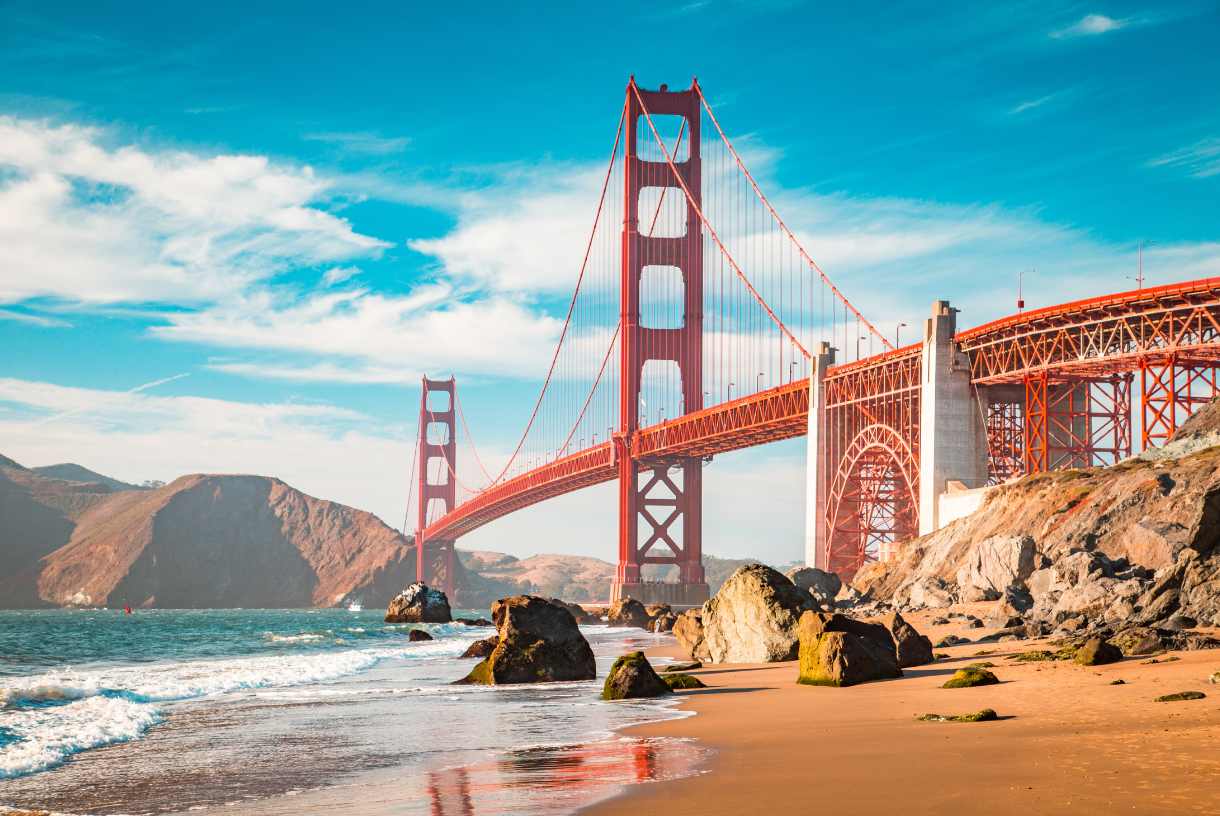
295 711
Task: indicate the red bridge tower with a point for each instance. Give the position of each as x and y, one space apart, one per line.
661 498
438 461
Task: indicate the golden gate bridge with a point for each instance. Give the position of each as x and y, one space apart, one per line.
700 325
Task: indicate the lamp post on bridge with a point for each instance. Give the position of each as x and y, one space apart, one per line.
897 329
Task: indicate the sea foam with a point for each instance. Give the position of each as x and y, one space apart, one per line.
51 716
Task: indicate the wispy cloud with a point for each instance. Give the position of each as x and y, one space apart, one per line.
82 408
338 274
1200 160
362 142
1032 104
1090 25
34 320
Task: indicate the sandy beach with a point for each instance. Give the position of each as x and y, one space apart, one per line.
1070 742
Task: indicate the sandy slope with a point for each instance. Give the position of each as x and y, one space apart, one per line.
1074 743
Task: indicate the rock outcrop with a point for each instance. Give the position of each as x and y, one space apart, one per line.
538 641
913 649
1072 551
418 635
753 618
419 603
822 585
631 677
628 612
688 629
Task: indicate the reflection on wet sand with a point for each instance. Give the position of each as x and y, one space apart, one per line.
530 780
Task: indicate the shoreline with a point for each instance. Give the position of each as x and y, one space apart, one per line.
1068 740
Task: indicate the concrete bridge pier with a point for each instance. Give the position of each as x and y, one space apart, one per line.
952 419
816 463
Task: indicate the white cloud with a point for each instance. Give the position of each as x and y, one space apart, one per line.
362 142
374 335
1089 26
84 222
325 450
339 274
34 319
527 231
1201 159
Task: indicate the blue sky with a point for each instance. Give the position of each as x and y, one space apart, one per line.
301 207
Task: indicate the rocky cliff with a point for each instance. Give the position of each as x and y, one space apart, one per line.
201 541
1135 542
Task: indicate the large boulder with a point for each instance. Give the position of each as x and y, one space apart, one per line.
752 619
913 649
419 603
822 585
539 641
835 658
632 676
628 612
688 629
812 624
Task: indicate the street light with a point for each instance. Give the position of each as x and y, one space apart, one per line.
730 391
898 328
1139 278
758 384
858 339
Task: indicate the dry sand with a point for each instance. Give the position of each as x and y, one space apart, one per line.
1073 743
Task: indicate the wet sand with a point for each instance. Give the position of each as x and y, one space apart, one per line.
1073 743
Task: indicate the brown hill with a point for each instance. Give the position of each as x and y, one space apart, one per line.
202 541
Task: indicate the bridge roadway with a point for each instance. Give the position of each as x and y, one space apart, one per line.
1153 329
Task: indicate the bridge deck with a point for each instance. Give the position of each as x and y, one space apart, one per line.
1092 337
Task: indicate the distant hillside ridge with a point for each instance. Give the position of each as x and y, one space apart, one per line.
201 541
72 472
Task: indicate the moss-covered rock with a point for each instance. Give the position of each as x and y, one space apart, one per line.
1035 656
1097 652
683 667
632 677
986 715
682 681
538 642
1180 696
844 659
969 677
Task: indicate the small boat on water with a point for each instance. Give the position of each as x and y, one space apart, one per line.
355 606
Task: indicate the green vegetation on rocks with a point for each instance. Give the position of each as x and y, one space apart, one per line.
681 667
986 715
1180 696
969 677
632 677
1097 652
682 681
